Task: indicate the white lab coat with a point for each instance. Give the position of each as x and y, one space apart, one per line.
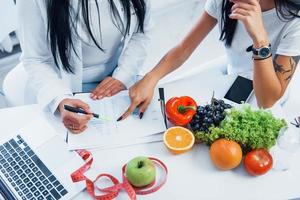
43 76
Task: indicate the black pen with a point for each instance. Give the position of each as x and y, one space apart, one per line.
79 110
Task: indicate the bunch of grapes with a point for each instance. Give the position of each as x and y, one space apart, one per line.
209 115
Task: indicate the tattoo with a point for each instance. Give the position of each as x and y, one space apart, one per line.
287 71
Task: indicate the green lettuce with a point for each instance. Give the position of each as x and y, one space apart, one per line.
251 128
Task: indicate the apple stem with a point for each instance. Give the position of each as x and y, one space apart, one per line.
140 164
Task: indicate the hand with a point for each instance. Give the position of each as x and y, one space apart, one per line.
249 12
107 88
74 122
141 95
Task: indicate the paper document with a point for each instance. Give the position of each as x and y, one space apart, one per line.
107 131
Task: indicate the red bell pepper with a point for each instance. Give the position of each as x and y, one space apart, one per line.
180 110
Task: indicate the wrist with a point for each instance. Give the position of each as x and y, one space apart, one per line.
152 77
261 41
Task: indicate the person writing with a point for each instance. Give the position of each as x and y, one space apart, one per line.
261 37
81 46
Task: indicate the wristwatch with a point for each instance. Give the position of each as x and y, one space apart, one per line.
262 52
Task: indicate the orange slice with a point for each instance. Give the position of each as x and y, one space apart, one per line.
178 139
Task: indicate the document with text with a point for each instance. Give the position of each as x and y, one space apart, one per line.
106 131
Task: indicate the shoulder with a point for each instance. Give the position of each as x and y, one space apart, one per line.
292 27
214 8
290 38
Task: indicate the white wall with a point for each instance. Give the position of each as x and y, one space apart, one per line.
173 19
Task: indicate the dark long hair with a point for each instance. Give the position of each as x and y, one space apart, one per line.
286 10
62 20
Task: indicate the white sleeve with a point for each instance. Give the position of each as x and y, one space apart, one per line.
212 7
132 59
289 44
36 55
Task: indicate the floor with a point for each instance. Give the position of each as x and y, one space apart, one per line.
172 22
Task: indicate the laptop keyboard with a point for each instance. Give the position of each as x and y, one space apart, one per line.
27 173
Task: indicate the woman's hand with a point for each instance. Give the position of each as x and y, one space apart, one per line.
107 88
249 12
74 122
141 95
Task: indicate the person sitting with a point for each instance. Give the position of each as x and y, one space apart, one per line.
261 37
81 46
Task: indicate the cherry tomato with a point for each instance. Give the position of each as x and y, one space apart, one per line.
258 162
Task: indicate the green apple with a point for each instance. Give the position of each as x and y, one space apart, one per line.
140 171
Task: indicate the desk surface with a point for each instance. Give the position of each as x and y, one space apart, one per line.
191 175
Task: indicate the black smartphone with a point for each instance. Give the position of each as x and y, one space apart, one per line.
240 91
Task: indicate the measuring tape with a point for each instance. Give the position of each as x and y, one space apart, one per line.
113 191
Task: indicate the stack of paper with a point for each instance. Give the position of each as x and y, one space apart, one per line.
106 132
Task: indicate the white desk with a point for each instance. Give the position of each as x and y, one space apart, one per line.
191 175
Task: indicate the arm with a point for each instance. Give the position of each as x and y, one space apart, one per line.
36 55
51 91
180 53
141 93
271 77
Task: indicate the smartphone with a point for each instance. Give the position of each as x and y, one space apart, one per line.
240 91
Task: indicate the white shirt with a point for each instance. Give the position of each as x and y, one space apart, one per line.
99 64
284 37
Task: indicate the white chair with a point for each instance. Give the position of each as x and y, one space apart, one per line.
15 87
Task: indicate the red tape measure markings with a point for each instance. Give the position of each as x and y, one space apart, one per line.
113 191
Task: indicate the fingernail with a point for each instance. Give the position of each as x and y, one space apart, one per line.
120 118
141 115
92 95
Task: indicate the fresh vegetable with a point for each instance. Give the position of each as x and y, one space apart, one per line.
209 115
225 154
252 129
258 162
180 110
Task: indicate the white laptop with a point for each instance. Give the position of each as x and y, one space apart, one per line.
35 164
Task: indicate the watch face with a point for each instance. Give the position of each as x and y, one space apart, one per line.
264 52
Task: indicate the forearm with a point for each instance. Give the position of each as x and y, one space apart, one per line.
180 53
266 85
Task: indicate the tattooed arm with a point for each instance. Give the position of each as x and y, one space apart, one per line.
271 78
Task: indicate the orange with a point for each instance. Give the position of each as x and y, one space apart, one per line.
178 139
226 154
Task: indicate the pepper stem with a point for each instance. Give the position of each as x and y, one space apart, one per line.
183 109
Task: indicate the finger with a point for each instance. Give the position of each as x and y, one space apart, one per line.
144 106
71 126
114 89
129 111
245 6
240 11
79 130
78 120
100 90
80 104
250 2
70 123
237 17
105 81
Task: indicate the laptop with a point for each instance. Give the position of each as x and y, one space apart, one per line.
35 164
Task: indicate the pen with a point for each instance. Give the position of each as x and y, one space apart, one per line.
162 104
78 110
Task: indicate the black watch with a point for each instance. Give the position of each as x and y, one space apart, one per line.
262 52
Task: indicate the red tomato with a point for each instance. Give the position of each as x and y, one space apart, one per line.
258 162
